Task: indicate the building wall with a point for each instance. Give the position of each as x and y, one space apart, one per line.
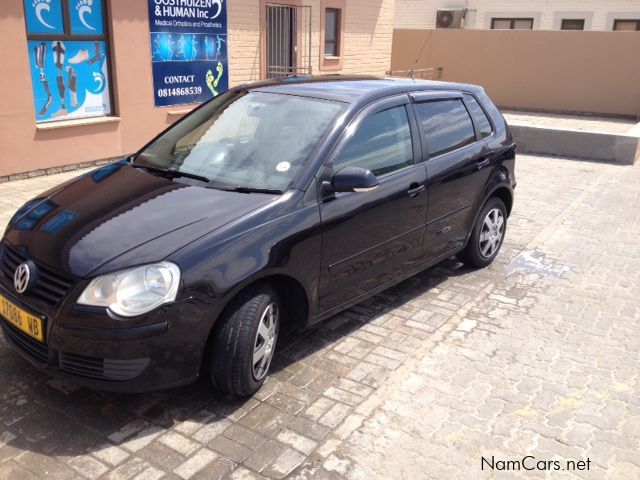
547 14
368 32
28 148
552 71
244 40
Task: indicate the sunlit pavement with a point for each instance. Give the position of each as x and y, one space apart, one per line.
535 356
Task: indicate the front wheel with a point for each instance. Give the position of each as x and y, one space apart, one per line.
487 235
245 340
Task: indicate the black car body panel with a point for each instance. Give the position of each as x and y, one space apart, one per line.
325 252
150 209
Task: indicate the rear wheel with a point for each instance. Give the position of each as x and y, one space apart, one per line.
487 235
244 341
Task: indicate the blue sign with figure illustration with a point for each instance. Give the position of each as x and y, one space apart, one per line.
69 79
44 16
188 50
86 17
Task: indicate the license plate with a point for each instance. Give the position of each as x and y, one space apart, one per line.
32 326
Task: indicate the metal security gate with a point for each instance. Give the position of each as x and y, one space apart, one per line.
288 39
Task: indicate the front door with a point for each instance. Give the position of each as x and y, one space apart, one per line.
373 237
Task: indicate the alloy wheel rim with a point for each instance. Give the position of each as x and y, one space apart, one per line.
491 233
265 341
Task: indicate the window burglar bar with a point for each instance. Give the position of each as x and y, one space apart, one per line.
288 40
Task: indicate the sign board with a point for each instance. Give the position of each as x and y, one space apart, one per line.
188 50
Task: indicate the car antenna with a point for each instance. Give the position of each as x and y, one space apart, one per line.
418 57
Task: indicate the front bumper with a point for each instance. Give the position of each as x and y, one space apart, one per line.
163 350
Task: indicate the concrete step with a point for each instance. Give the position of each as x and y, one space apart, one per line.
594 138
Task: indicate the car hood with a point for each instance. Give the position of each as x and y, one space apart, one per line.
118 216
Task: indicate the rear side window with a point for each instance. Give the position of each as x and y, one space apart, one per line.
381 144
479 117
446 125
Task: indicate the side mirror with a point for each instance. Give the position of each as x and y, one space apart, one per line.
352 179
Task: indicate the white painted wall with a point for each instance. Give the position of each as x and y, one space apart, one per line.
547 14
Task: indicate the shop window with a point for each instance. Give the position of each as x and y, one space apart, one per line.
332 33
68 57
626 25
572 24
512 23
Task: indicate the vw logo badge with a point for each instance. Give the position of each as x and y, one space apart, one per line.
22 277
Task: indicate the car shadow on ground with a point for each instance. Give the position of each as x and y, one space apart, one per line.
51 417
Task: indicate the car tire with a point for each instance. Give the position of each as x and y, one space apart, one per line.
244 341
487 235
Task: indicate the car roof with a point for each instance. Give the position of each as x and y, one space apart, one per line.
352 89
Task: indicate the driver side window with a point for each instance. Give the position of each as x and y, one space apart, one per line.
381 144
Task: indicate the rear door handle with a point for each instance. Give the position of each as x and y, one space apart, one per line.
483 162
415 190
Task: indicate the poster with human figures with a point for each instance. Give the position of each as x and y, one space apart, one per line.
69 77
188 50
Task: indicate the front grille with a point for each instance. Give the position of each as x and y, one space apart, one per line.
50 287
101 368
36 351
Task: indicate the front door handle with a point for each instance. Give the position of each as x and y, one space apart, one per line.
482 162
415 190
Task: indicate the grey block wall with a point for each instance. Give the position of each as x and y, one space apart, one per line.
609 147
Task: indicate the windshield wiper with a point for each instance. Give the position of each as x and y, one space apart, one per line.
255 190
171 173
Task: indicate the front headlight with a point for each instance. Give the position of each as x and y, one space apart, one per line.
133 292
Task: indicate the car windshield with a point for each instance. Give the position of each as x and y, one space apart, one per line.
244 140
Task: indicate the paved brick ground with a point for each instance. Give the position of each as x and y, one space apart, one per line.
536 355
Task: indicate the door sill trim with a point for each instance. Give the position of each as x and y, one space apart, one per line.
395 280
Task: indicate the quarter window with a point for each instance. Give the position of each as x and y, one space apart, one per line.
68 56
381 144
480 120
446 125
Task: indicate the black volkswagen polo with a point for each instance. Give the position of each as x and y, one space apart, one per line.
284 201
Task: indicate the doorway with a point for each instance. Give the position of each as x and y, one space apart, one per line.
288 40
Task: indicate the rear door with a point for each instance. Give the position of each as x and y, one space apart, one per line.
455 159
372 237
